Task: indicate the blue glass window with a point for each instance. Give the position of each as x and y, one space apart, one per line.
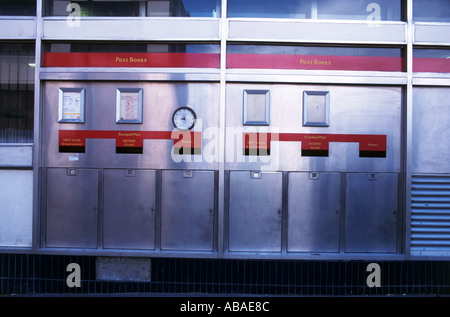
431 10
155 8
390 10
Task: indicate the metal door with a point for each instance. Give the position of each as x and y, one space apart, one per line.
72 204
129 208
255 211
313 212
371 212
187 210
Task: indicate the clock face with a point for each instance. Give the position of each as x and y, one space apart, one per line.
184 118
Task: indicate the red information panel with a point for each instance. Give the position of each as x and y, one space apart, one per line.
74 141
195 60
315 144
315 62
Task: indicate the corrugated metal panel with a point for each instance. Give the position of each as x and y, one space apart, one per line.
430 215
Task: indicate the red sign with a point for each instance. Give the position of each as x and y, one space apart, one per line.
315 144
196 60
315 62
432 65
74 141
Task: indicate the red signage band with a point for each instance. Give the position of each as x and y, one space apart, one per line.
315 62
431 65
195 60
315 144
74 141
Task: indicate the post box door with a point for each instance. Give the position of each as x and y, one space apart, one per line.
129 208
255 211
187 210
72 207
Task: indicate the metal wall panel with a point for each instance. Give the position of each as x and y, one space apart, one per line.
431 33
430 215
160 99
314 205
326 31
72 208
255 211
17 28
430 130
187 210
134 29
16 208
371 212
16 155
352 111
129 208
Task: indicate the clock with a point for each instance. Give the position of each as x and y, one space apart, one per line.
184 118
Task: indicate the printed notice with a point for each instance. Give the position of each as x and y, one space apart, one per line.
71 107
129 106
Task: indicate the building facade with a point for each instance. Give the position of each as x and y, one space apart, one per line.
296 129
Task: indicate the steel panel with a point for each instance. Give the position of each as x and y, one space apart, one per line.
430 130
317 31
129 208
431 33
371 212
314 212
187 210
128 28
72 207
255 211
352 111
160 99
16 208
14 28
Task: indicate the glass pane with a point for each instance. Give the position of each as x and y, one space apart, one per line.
155 8
299 9
16 92
168 54
317 9
431 10
315 57
431 60
18 7
385 10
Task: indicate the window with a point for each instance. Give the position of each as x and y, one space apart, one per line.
155 8
431 10
389 10
315 57
433 60
18 7
161 54
16 92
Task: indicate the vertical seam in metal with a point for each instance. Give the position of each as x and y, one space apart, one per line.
222 106
408 157
36 159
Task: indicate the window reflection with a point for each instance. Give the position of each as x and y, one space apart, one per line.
155 8
18 7
315 57
431 10
317 9
16 92
133 47
433 60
